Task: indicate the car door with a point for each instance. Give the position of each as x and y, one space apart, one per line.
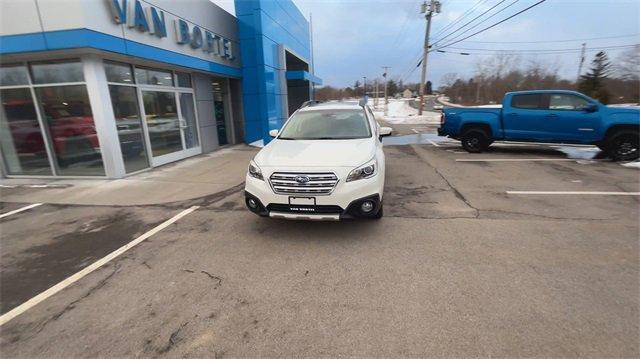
524 118
570 120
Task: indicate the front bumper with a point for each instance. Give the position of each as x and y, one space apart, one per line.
343 202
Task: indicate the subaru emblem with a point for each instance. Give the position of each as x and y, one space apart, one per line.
302 179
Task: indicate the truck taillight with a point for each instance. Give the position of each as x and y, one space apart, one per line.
442 119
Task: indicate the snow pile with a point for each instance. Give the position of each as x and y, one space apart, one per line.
400 112
635 164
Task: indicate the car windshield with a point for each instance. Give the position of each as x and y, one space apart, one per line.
326 125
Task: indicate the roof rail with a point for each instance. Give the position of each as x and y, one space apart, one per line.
310 103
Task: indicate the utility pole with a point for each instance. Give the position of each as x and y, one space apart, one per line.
364 87
386 98
582 53
428 10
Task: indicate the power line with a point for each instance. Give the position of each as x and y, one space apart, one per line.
457 20
403 27
484 20
493 25
544 52
550 41
472 20
538 50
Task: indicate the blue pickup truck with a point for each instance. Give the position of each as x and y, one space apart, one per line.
546 116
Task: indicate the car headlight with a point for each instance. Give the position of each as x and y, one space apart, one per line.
255 171
367 170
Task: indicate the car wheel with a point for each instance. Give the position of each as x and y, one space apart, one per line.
475 140
380 213
623 146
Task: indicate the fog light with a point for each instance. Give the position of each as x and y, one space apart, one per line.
252 203
367 206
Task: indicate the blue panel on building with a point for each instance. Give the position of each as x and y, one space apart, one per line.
267 28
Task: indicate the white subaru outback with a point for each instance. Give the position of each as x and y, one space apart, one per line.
326 163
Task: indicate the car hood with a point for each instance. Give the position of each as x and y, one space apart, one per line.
316 153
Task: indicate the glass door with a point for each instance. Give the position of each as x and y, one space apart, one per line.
170 125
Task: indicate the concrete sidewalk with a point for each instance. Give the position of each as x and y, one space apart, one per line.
188 179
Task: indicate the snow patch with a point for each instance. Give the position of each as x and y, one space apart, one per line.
635 164
400 112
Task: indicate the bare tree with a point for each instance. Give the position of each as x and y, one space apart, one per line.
628 64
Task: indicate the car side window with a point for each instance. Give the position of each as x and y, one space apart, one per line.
528 102
567 102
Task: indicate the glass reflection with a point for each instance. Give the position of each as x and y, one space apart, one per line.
153 77
56 72
118 72
67 114
129 125
162 121
189 115
20 134
13 75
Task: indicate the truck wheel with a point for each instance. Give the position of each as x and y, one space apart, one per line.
623 146
475 140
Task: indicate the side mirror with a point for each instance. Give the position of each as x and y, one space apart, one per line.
385 131
273 133
592 107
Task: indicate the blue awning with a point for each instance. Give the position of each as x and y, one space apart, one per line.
303 75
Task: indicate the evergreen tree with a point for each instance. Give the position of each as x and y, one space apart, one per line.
593 82
392 88
429 88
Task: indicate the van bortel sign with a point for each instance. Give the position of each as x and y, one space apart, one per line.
152 20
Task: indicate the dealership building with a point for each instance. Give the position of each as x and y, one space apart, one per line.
109 88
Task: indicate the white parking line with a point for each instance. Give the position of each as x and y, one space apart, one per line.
433 143
576 193
95 265
414 130
513 159
20 210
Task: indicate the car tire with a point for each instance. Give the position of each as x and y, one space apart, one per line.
475 140
623 145
380 212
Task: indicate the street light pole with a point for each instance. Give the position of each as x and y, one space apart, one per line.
429 9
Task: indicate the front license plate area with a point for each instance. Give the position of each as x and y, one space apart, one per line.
302 201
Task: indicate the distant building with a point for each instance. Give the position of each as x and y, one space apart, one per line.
407 93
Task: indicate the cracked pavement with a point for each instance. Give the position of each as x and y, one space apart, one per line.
456 268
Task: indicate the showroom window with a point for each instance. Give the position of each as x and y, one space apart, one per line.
126 109
145 76
155 114
47 121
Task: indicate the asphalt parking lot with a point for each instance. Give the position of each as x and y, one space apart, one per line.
475 257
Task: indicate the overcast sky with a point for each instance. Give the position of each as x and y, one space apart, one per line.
354 38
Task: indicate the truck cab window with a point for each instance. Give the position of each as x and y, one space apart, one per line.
529 102
567 102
